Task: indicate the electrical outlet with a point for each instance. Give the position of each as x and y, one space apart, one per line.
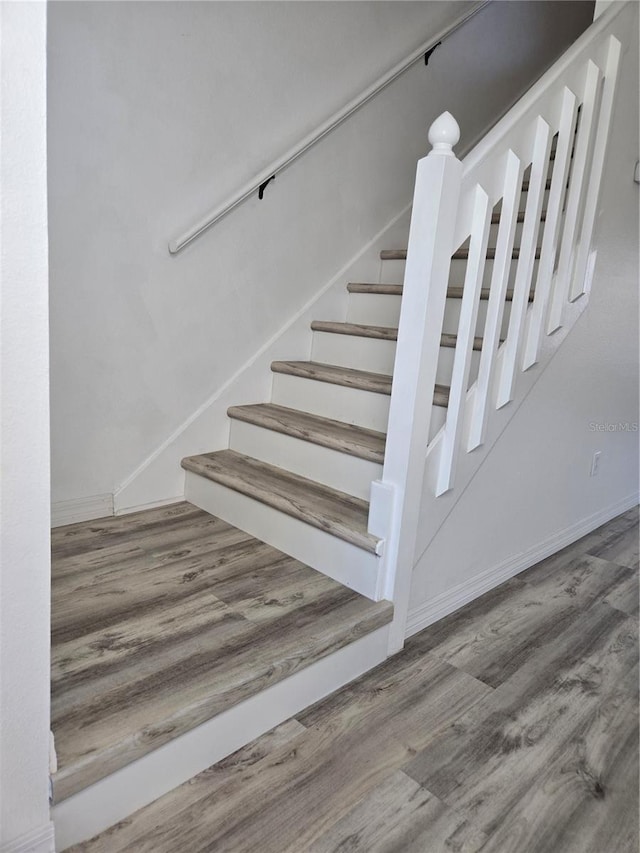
595 463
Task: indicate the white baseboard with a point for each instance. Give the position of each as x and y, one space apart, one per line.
98 506
152 505
456 597
112 799
37 841
81 509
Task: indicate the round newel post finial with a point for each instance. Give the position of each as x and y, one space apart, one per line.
444 133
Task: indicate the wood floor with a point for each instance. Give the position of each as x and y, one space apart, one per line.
163 619
509 727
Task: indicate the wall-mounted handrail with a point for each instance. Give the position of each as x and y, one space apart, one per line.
259 180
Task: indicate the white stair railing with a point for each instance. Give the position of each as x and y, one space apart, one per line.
568 112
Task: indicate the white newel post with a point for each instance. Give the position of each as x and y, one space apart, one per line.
395 500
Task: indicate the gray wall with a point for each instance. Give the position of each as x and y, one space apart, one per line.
157 110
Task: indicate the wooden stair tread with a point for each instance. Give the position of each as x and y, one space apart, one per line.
526 184
448 340
456 292
335 512
391 334
379 383
463 255
495 217
453 291
148 646
374 288
346 438
363 380
460 255
361 330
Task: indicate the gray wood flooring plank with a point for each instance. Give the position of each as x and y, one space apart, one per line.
178 540
495 639
133 640
108 532
622 548
131 833
486 762
599 539
399 816
99 602
409 698
586 799
626 596
127 715
275 804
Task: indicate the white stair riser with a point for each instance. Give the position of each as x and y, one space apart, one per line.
377 355
374 309
378 310
354 351
493 236
459 268
351 566
395 273
351 405
523 202
323 464
391 272
438 417
452 317
445 365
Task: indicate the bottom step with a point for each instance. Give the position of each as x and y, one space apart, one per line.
166 619
318 525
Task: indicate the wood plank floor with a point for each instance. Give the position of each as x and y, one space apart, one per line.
509 727
165 618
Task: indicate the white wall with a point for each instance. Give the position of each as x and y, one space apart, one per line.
534 491
24 437
158 111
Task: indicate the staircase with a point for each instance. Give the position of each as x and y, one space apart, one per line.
364 447
298 470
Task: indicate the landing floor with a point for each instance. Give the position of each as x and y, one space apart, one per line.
509 727
165 618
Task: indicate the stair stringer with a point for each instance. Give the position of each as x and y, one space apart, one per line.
159 478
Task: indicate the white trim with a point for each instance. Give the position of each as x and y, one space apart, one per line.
112 799
456 597
81 509
127 510
37 841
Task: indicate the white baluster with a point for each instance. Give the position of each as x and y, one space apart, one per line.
495 307
578 171
581 280
526 260
566 134
449 447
